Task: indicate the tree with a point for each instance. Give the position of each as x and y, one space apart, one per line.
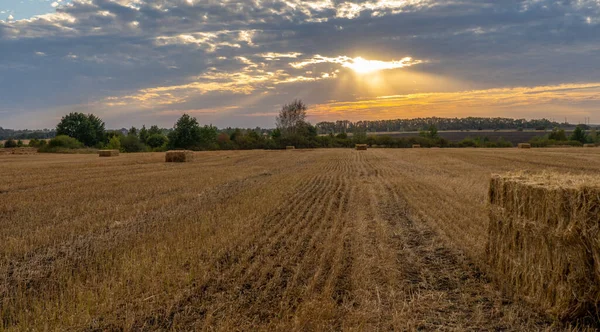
579 135
10 143
186 133
154 130
291 117
132 143
157 140
557 134
88 129
114 143
144 134
132 131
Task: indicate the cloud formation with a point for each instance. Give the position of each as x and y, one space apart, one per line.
135 61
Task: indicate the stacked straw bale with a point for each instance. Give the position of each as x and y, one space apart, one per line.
416 146
524 146
361 147
544 241
290 147
179 156
108 153
589 145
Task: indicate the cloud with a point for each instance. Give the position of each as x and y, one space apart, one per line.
107 56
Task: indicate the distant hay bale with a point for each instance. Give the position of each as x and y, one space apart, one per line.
543 241
589 145
361 147
524 146
416 146
290 147
108 153
179 156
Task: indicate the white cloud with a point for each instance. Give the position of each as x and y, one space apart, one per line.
358 64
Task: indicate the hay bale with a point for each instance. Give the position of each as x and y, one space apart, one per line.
524 146
589 145
543 241
290 147
179 156
361 147
108 153
416 146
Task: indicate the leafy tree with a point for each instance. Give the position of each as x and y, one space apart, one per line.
276 134
10 143
557 134
144 134
114 143
431 133
132 131
132 143
88 129
208 137
154 130
157 140
186 133
579 135
291 117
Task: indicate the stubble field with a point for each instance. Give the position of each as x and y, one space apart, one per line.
331 239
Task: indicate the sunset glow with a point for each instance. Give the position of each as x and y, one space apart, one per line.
143 61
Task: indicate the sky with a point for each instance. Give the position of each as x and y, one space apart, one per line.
235 63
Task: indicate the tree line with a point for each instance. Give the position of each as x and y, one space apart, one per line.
418 124
79 131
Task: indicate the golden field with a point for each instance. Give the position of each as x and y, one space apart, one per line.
332 239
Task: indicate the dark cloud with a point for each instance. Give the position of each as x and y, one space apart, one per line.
126 58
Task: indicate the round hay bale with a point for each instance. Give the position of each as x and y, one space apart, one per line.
179 156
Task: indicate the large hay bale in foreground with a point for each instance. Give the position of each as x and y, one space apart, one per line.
544 241
416 146
361 147
524 146
108 153
290 147
179 156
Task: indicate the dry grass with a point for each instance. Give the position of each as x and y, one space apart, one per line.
258 240
179 156
543 240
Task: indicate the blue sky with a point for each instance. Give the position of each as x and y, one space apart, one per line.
234 63
23 9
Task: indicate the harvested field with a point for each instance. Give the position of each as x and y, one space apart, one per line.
331 239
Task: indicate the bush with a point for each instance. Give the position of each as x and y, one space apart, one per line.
157 141
10 143
66 142
60 144
114 143
131 143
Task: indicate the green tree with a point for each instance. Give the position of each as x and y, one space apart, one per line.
132 143
144 134
154 130
579 135
88 129
132 131
186 133
10 143
157 140
114 143
557 134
